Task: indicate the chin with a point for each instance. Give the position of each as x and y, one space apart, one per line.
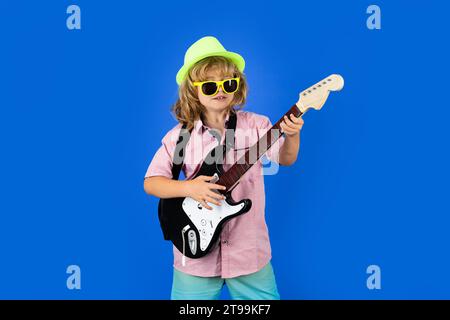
218 107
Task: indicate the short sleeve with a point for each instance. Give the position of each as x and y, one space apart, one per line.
273 153
162 162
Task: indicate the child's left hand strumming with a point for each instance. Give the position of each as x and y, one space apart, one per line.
291 126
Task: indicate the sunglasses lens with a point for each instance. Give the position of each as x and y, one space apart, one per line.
230 86
209 88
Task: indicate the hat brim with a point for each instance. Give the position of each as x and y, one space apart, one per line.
234 57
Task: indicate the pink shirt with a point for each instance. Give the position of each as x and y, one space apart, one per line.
244 245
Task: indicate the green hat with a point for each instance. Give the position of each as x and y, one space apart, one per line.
207 47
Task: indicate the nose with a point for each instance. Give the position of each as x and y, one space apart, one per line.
220 91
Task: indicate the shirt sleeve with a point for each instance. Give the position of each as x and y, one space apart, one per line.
162 162
273 153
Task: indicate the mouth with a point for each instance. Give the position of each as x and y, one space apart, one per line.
220 98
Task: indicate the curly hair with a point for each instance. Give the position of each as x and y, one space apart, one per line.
188 108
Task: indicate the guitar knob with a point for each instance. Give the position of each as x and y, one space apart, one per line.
203 222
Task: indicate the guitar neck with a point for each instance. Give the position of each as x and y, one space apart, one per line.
231 177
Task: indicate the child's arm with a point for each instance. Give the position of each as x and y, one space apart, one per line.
198 189
289 150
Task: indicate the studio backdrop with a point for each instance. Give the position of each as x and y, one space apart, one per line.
86 89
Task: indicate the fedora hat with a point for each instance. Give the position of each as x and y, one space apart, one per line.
207 47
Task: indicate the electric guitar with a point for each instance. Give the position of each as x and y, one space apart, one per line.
194 229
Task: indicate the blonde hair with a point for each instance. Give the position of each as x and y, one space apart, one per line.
188 108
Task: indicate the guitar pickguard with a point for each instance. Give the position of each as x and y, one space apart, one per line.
206 221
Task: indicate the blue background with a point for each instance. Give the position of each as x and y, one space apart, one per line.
83 111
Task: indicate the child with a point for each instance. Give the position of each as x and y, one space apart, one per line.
241 258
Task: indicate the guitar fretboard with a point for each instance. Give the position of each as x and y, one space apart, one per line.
231 177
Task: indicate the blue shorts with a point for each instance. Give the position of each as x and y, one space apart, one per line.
260 285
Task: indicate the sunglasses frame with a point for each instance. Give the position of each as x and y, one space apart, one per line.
218 85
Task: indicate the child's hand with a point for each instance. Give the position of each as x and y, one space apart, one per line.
291 126
201 190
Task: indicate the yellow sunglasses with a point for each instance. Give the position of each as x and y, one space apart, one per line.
210 88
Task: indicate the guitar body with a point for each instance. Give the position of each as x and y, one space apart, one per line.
193 229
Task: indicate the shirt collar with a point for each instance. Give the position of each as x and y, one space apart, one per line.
200 127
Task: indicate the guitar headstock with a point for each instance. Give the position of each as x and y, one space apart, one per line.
315 96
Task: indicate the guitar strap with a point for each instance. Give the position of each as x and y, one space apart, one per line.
178 159
180 149
183 138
